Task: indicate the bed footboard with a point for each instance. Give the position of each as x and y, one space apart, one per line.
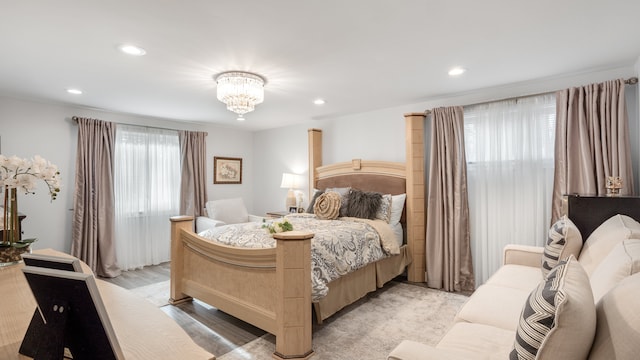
268 288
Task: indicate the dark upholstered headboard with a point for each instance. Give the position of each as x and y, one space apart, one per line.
588 212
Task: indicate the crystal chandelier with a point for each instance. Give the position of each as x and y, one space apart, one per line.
241 91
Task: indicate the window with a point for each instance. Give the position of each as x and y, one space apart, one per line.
147 187
509 147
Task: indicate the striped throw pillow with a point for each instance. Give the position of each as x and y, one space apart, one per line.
558 320
564 239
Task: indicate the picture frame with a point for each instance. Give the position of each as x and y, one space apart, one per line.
227 170
293 209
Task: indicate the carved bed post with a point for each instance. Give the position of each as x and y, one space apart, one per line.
177 250
315 157
293 310
415 205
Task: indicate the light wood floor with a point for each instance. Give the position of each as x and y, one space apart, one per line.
210 328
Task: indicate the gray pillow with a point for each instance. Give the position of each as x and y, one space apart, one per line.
362 204
313 201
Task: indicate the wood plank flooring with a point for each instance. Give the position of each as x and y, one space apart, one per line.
213 330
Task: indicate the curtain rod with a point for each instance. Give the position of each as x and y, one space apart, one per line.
75 118
629 81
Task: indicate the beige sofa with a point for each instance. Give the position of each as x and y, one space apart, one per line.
537 307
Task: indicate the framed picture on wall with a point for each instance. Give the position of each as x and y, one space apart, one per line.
227 170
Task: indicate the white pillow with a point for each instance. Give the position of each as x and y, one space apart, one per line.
397 205
622 261
604 238
229 211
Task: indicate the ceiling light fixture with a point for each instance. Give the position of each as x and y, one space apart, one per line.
74 91
132 50
457 71
241 91
319 101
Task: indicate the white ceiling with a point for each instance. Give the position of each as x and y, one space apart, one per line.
358 55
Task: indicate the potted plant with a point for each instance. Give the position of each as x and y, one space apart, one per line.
21 175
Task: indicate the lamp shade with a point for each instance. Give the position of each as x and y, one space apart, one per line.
291 181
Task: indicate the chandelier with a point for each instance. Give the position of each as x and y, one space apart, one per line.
241 91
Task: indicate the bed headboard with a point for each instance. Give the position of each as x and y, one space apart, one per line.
588 212
381 176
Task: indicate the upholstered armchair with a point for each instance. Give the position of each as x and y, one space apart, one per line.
224 212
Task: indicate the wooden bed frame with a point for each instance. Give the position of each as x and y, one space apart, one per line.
271 288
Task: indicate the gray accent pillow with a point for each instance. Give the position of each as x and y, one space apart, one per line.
313 201
362 204
564 239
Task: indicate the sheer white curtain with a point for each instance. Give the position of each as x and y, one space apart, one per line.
509 147
147 193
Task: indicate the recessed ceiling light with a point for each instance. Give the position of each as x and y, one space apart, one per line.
457 71
74 91
319 101
132 50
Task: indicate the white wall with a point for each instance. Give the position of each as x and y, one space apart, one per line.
29 128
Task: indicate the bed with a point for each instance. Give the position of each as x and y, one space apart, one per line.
270 287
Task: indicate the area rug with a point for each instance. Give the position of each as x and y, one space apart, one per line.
372 327
157 293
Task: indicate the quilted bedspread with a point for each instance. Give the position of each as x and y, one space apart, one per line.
337 248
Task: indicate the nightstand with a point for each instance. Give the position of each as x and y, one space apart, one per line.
277 214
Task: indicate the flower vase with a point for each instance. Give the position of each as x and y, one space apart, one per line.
11 247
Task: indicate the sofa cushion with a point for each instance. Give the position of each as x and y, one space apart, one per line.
618 314
229 211
516 276
564 239
558 320
621 262
488 341
604 238
494 305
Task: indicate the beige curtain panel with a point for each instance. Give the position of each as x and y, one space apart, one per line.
448 249
93 225
592 141
193 164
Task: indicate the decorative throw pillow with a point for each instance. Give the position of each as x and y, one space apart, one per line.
623 261
313 200
327 206
564 239
362 204
344 193
384 212
611 232
558 321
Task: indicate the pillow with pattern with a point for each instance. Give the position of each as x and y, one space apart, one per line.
558 320
564 239
384 212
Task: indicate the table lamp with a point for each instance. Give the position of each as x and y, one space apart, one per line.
291 182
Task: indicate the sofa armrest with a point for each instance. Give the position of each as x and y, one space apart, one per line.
522 255
203 223
414 350
256 218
